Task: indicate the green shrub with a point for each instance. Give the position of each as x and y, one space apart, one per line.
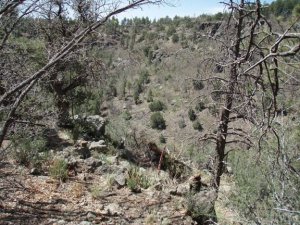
162 139
111 90
127 115
200 106
59 169
175 38
156 106
192 115
157 121
136 179
138 88
96 191
198 85
197 126
144 77
146 50
181 123
136 97
26 151
213 110
200 211
150 96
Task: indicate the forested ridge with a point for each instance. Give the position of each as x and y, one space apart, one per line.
184 120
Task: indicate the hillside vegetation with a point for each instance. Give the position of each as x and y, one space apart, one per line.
184 120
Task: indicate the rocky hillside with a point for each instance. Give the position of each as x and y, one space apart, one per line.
170 121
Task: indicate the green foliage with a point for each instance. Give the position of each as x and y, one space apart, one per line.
157 121
156 106
213 110
162 139
152 36
150 96
127 115
171 30
116 129
59 169
123 88
139 85
296 10
85 129
136 179
198 85
111 90
86 101
33 47
175 38
283 8
147 50
265 182
144 77
136 95
218 16
28 151
96 191
197 126
181 123
200 106
192 115
200 211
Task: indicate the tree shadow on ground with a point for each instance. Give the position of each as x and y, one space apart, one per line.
54 141
17 208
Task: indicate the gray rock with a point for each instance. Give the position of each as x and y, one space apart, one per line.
61 222
124 165
82 177
183 189
171 191
85 223
72 162
113 209
98 122
91 216
34 171
92 164
98 146
120 180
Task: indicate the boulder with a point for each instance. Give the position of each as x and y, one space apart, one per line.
92 164
98 146
34 171
113 209
98 122
120 180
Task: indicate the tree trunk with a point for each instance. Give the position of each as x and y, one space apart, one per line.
63 106
222 131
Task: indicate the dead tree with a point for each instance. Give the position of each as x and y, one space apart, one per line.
252 57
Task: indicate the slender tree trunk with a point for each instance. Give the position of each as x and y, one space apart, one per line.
222 131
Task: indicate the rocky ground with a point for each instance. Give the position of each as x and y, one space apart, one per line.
105 187
96 193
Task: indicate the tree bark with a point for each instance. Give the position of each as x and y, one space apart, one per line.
222 131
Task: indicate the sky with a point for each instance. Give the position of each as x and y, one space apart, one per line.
190 8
